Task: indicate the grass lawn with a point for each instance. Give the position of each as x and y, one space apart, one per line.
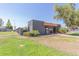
14 46
74 33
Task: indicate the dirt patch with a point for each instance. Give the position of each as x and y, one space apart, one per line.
62 43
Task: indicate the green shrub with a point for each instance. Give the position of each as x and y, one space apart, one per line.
34 33
63 30
26 34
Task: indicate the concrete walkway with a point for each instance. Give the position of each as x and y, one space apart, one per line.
8 35
68 35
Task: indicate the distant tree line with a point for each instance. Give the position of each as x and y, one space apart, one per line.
8 24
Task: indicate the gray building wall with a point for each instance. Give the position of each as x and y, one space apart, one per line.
36 25
30 26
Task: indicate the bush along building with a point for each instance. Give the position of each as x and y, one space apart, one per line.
43 27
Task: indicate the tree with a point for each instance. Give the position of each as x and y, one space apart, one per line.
68 13
1 22
25 29
8 25
77 17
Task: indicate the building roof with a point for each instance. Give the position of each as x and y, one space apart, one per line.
50 24
47 24
2 27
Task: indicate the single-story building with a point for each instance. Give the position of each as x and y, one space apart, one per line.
4 28
43 27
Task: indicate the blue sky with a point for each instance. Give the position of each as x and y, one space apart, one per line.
20 13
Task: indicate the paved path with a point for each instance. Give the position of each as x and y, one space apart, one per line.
68 35
8 35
